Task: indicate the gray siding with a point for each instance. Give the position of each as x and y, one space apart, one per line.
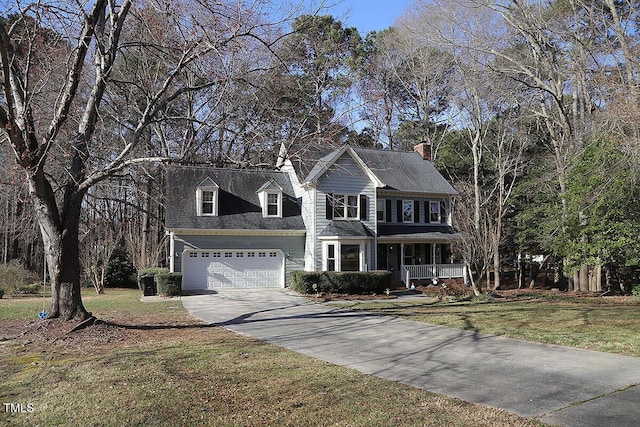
307 210
344 177
293 245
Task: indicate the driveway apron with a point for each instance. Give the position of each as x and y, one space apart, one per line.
556 385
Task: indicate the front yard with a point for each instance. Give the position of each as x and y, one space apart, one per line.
610 324
153 364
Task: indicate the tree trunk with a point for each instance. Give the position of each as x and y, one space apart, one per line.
474 287
60 238
7 217
584 278
496 261
521 270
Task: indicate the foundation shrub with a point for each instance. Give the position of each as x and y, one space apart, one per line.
169 284
340 282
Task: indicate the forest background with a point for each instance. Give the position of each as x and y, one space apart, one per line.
531 110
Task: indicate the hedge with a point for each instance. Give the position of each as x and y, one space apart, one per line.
340 282
169 284
150 271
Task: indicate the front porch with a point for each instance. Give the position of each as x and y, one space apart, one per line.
409 262
411 273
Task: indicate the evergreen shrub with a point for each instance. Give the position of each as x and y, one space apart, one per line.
150 271
340 282
120 272
169 284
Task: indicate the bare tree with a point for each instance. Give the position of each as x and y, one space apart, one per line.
83 136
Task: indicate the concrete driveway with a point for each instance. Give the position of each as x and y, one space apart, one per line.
556 385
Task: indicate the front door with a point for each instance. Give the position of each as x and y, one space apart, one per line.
389 259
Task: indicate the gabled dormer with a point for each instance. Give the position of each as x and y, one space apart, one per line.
270 196
207 198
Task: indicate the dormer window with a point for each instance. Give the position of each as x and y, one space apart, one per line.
270 196
207 202
207 198
273 204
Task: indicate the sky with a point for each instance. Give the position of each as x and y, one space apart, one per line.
367 15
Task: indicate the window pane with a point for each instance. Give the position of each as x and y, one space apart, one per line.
272 204
380 208
207 202
350 257
331 265
434 212
407 211
352 207
331 251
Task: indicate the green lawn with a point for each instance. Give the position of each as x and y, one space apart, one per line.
602 324
161 367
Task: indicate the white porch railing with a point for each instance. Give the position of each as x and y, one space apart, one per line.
431 271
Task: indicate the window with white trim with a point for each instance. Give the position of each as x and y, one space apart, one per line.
270 196
207 198
273 204
407 211
349 257
330 258
343 206
343 256
434 211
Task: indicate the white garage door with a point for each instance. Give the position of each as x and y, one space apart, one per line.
209 269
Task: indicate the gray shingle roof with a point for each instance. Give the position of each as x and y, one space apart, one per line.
238 200
305 158
346 228
405 171
416 232
398 170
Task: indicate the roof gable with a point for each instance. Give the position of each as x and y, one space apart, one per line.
208 183
323 165
270 185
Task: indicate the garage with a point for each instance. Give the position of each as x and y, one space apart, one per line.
210 269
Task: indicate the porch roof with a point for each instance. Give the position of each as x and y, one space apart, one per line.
416 233
346 229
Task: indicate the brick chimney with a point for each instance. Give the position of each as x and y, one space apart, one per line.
424 149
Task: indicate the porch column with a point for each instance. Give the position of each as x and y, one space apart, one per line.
433 254
172 249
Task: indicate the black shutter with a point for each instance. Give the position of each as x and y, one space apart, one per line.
329 207
399 208
387 207
427 212
363 207
416 211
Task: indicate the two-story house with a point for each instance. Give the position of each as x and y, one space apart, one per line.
331 209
